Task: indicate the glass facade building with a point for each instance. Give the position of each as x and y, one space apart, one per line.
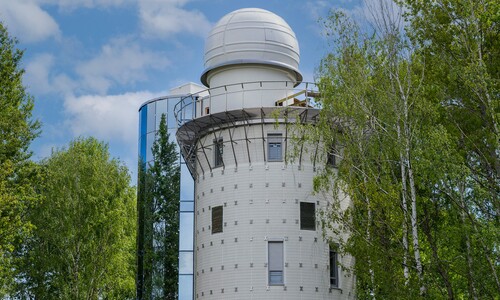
149 121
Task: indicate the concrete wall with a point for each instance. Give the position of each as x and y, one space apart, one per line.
261 202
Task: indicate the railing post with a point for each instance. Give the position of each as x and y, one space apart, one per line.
307 94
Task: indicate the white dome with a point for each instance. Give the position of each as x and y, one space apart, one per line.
252 36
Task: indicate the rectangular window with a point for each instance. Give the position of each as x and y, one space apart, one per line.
331 161
217 219
274 152
334 270
218 152
307 216
275 262
332 155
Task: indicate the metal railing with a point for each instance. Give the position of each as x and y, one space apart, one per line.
245 95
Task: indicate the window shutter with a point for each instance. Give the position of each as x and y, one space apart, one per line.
307 216
217 216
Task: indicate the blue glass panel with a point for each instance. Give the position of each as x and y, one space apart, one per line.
143 115
161 108
186 262
172 138
186 231
150 139
172 124
151 116
187 184
186 287
187 206
188 109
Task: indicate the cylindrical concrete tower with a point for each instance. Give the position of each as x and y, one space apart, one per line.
257 234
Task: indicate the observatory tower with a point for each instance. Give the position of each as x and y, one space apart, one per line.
256 232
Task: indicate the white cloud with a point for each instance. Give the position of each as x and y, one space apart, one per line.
40 77
112 118
163 18
109 118
28 21
119 62
38 72
63 84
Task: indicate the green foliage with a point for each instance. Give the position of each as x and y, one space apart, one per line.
461 40
166 173
83 244
414 120
17 174
158 239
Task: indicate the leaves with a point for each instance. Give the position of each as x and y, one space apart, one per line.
83 246
158 241
415 113
17 174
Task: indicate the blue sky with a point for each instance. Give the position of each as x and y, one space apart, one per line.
90 64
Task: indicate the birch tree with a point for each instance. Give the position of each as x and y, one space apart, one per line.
461 41
415 113
83 244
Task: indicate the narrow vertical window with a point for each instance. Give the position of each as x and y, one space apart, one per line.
218 152
274 152
275 257
217 219
307 216
331 160
334 270
333 155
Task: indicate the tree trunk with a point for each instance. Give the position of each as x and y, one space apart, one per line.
414 227
404 204
368 237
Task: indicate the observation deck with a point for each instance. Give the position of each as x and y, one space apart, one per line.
242 104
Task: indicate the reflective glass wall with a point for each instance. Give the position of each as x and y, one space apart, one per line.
149 121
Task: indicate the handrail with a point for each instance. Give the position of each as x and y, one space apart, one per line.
193 105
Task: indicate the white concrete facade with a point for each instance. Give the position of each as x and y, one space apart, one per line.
261 203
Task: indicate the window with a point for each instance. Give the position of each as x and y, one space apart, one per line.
307 216
333 155
331 160
334 270
274 147
275 262
218 151
217 219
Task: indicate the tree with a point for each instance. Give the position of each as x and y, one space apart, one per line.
165 171
83 244
369 90
17 173
422 219
461 40
158 238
